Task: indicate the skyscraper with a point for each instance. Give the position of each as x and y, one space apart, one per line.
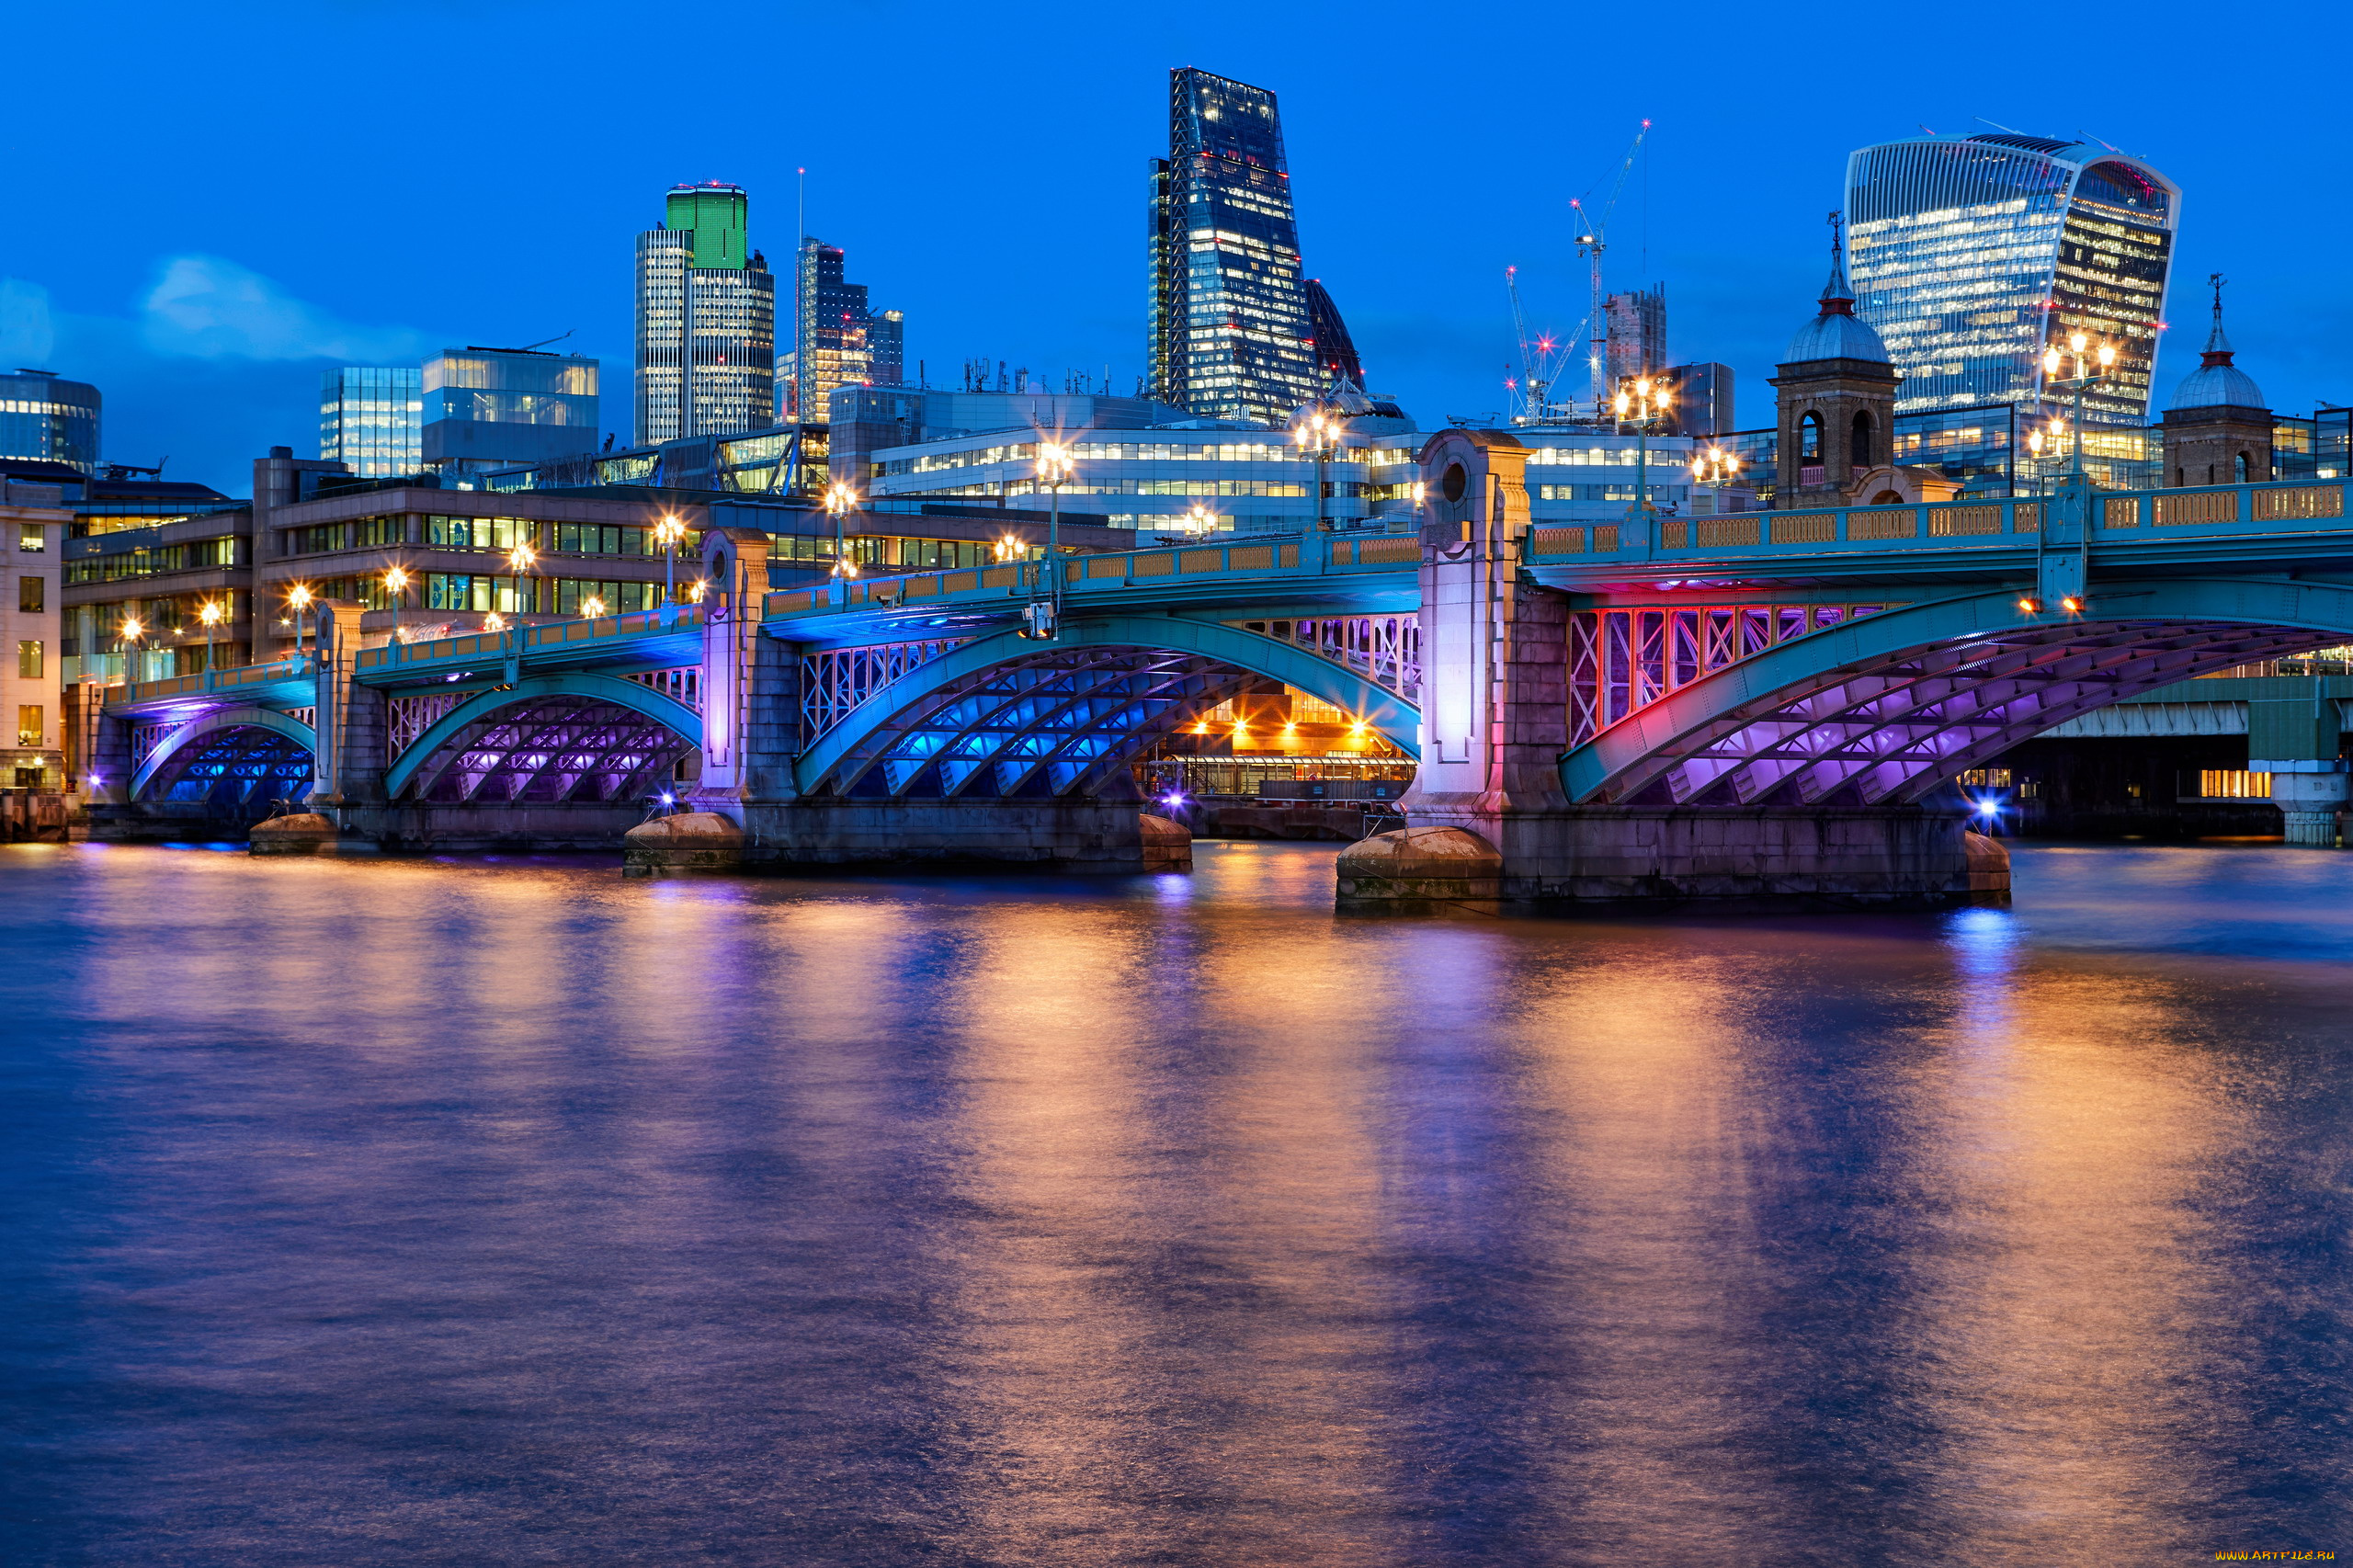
47 418
1336 351
1231 333
700 263
1635 324
1971 255
371 418
837 340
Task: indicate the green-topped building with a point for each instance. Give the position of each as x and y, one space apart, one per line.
699 278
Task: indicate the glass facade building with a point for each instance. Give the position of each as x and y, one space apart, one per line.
1233 332
838 340
1972 254
46 418
700 263
371 418
490 407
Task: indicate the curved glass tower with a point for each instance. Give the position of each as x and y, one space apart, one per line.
1970 254
45 417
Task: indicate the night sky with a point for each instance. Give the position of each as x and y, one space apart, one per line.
209 203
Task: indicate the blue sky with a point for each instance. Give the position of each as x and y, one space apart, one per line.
209 202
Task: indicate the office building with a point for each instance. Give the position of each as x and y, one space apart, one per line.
1233 334
838 339
47 418
372 419
1971 256
1704 398
864 420
700 264
32 533
1635 328
1336 351
487 408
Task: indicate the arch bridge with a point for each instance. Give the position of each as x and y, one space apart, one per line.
1611 705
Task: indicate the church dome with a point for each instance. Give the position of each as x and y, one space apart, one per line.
1838 332
2217 383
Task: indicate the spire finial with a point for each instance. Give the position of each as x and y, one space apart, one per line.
2218 347
1837 300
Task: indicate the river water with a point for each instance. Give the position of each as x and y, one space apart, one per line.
509 1214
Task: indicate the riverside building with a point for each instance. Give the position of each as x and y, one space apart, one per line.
1971 256
372 419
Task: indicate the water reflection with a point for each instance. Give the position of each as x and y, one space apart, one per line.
403 1213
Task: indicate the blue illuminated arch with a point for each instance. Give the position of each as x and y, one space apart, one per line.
216 721
1396 720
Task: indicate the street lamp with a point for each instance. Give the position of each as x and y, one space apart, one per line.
209 613
133 629
591 607
669 531
1055 468
1199 519
1318 432
396 581
840 500
1011 548
519 560
1715 467
1644 406
297 599
2084 376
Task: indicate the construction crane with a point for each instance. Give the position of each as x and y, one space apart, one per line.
1592 239
1540 358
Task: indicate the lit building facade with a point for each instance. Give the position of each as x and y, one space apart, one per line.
371 419
700 264
32 536
838 339
1233 332
1971 256
46 418
487 408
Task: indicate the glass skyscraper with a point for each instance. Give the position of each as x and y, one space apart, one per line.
837 340
1233 336
699 258
1972 254
494 407
373 418
46 418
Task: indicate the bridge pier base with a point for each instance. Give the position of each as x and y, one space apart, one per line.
1634 857
1087 835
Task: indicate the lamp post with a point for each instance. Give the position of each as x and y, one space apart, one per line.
2084 376
396 581
209 613
1199 519
297 599
1645 406
591 607
130 631
1318 432
669 531
1055 467
1715 467
519 560
840 500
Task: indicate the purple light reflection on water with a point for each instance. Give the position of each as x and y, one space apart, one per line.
441 1214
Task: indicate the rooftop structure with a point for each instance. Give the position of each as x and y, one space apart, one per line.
698 279
45 417
371 418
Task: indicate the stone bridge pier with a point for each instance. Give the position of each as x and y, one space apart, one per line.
1495 714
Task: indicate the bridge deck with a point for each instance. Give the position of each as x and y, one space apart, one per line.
281 683
650 639
1344 575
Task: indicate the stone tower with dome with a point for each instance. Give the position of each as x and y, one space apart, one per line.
2217 427
1836 394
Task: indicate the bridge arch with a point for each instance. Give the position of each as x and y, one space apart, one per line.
1884 708
1003 716
578 736
254 754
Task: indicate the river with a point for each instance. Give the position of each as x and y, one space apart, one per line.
506 1212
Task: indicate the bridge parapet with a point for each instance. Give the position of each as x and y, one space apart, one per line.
2131 527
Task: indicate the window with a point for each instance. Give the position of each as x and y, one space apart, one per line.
1810 438
29 537
28 660
2233 784
1861 455
31 595
32 724
2239 464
